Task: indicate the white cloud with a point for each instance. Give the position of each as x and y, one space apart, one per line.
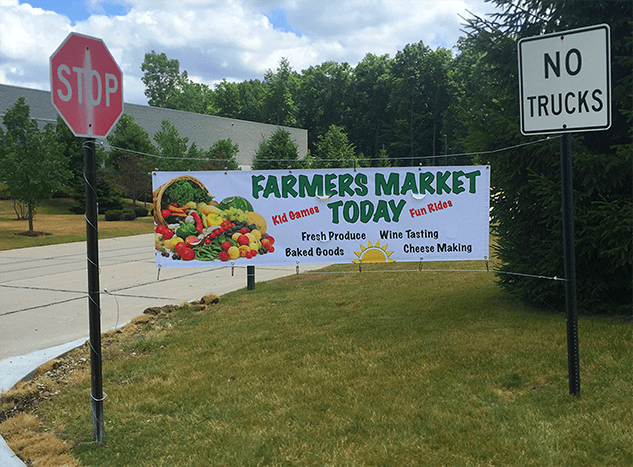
232 39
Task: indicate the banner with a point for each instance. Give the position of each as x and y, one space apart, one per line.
321 216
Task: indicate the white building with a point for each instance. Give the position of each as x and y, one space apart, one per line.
204 130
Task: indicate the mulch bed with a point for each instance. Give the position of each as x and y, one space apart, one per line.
32 234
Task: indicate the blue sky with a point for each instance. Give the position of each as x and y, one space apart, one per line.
213 40
279 19
81 10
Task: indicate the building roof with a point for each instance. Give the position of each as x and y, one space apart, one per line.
204 130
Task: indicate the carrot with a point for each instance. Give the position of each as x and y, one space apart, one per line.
176 209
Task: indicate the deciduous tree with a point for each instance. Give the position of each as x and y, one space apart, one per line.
31 161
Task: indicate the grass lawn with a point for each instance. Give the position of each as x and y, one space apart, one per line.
388 367
54 218
361 369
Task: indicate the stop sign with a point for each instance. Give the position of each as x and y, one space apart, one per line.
86 85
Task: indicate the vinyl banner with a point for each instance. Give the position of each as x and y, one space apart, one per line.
321 216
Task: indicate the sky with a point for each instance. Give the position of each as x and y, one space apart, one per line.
236 40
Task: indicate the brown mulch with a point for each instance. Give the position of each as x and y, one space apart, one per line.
33 233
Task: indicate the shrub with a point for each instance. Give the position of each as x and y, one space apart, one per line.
112 215
127 215
120 215
4 192
140 211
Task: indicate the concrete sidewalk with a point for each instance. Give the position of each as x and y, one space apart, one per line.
44 301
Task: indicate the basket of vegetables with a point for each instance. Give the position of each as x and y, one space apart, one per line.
173 199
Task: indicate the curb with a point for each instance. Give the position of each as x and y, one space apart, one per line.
15 369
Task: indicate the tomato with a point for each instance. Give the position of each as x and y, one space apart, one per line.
187 254
224 256
165 213
164 231
179 246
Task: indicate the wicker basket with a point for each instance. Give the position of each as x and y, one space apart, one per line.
158 196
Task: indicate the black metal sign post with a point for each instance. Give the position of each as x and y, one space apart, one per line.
250 277
94 308
573 359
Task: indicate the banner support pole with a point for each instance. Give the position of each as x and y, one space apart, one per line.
250 277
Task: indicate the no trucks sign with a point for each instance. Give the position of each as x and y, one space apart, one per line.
565 81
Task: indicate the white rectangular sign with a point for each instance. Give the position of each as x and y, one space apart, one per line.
565 81
322 216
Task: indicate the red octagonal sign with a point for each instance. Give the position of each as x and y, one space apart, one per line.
86 85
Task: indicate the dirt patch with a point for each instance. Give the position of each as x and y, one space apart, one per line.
32 234
19 422
33 447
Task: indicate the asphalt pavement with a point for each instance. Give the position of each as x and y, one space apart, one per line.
44 298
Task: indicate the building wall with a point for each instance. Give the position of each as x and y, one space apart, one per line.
204 130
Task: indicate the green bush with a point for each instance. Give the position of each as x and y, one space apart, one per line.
140 211
120 215
4 194
112 215
127 215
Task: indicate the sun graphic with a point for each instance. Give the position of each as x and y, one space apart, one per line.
373 253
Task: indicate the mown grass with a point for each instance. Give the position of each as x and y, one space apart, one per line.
350 369
377 368
54 218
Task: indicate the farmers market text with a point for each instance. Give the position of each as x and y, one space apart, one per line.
325 186
346 184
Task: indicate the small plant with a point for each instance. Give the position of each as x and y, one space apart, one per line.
120 215
140 211
127 215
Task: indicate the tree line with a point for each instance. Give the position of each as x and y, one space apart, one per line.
390 109
422 107
422 104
